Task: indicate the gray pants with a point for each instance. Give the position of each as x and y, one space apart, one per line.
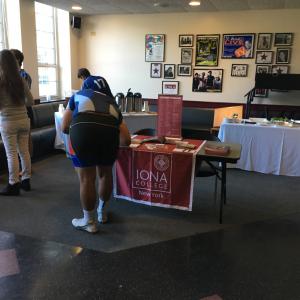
15 135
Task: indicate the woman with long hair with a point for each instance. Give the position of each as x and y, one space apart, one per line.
14 123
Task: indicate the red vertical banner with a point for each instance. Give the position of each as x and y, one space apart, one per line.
169 116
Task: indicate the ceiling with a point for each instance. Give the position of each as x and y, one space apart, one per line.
93 7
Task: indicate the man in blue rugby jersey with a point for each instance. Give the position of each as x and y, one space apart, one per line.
95 83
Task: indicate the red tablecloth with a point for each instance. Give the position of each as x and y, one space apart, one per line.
159 177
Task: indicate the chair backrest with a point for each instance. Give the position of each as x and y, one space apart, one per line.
199 135
146 131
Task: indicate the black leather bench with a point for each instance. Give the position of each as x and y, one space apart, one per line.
42 132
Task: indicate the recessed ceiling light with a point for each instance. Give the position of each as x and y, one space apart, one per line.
194 3
76 7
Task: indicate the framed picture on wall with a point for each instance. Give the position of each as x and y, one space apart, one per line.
264 57
155 70
239 70
154 47
264 93
263 69
170 87
186 40
238 45
283 39
207 80
186 55
169 71
207 50
280 69
184 70
283 55
264 41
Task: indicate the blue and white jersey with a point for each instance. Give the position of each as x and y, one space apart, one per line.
97 83
27 77
88 100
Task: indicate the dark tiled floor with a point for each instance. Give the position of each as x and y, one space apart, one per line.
254 261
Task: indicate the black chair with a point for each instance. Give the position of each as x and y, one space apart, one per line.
205 168
146 131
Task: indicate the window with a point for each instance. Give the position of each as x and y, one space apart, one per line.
45 16
2 46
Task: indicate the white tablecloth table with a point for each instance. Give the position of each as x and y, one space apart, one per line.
265 149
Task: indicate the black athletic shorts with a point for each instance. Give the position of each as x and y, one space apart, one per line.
95 139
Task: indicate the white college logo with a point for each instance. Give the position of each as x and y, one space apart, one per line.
161 162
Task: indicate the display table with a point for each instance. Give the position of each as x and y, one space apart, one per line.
156 174
265 149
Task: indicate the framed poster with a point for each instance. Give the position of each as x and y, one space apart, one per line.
184 70
263 69
280 69
155 70
264 57
263 93
169 71
238 45
283 55
239 70
154 47
264 41
283 39
207 80
186 40
207 50
186 55
170 87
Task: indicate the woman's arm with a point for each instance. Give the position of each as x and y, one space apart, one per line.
28 96
125 138
66 121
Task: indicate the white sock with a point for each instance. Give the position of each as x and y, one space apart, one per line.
88 217
101 205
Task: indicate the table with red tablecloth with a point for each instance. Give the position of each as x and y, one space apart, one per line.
157 174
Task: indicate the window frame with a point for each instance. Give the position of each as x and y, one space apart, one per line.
56 57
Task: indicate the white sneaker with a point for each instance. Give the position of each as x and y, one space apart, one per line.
81 224
102 214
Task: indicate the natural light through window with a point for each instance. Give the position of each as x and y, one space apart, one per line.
1 27
45 17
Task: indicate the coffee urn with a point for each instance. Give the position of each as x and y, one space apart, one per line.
120 100
129 102
138 102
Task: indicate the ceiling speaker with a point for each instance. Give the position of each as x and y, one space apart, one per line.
76 22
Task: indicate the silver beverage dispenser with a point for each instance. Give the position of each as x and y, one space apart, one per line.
138 102
120 100
129 102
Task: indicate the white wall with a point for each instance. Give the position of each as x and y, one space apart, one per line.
113 46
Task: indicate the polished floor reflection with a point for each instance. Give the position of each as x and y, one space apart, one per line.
253 261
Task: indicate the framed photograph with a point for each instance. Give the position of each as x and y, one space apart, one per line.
263 69
280 69
239 70
186 56
169 71
155 70
186 40
264 41
170 87
283 55
264 57
154 47
264 93
207 50
238 45
184 70
207 80
283 39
